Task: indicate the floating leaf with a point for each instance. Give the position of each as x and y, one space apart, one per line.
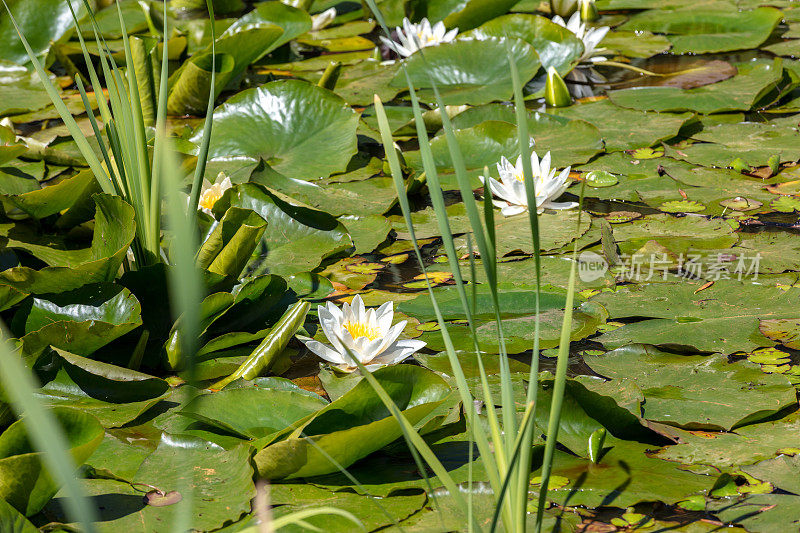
600 178
696 396
557 46
24 481
682 206
739 93
469 71
703 31
248 126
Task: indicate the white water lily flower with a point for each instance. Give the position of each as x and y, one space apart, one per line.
591 37
412 37
323 20
368 334
211 193
511 186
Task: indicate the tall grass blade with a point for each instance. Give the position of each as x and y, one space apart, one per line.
72 126
461 381
204 144
519 444
560 379
437 200
533 218
45 432
412 437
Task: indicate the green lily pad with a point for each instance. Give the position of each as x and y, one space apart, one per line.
219 482
12 521
253 124
79 321
253 412
373 196
518 301
296 238
568 141
697 392
703 31
494 136
746 445
635 43
518 331
556 229
625 475
40 31
723 317
25 483
785 204
113 394
227 249
294 498
57 196
677 234
600 178
367 232
469 71
682 206
739 93
758 512
776 252
786 331
783 472
624 129
353 426
114 232
557 46
466 15
755 143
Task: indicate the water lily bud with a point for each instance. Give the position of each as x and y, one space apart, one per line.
774 163
589 11
323 20
563 8
556 93
739 165
330 76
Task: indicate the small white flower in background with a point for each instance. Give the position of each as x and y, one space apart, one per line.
368 334
415 36
582 76
591 37
323 20
211 193
510 188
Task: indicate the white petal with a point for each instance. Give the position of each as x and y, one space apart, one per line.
391 336
323 351
400 351
558 205
385 314
359 310
512 210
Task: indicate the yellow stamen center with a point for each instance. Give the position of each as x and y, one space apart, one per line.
210 197
359 329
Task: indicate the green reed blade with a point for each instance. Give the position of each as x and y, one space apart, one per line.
411 435
458 372
559 384
80 139
45 432
202 155
519 444
533 217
